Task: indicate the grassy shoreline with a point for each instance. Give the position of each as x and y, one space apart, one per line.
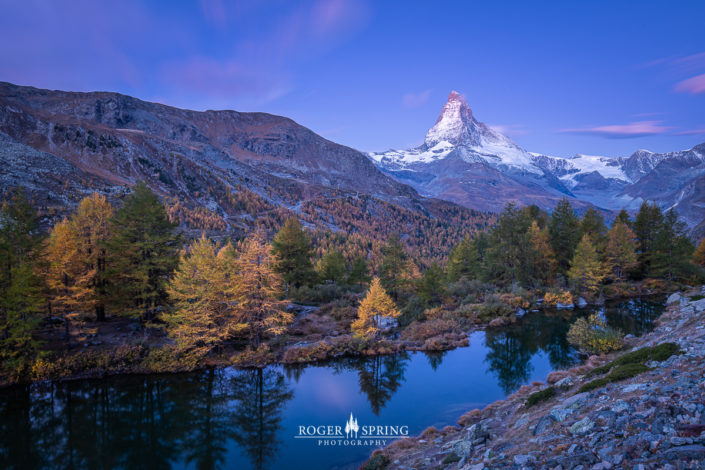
153 353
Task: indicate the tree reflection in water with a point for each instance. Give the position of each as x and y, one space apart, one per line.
511 348
201 420
143 422
262 394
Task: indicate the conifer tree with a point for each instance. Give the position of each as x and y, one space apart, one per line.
671 249
359 273
204 290
258 291
20 285
430 285
699 254
509 250
586 270
331 267
142 252
394 269
593 224
293 251
77 257
62 268
544 260
646 226
620 254
624 218
374 307
564 228
463 261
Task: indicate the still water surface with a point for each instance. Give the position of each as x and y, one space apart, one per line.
240 419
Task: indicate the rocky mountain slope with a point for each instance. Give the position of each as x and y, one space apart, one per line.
465 161
222 171
656 419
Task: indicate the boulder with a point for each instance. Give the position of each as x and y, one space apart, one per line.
581 303
673 298
561 306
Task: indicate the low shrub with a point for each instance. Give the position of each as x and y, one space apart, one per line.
593 335
493 307
310 353
621 372
376 462
657 353
553 298
538 397
451 458
421 331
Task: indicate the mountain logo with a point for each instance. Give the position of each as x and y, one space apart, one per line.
351 427
352 433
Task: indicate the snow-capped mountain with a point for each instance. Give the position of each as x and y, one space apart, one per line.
457 130
468 162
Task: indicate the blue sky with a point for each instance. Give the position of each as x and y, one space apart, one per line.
598 77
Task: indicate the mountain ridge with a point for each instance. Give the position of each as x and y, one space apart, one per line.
477 153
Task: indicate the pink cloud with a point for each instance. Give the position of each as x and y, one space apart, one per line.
223 80
414 100
692 85
623 131
692 132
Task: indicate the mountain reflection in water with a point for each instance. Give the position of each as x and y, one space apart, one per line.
234 418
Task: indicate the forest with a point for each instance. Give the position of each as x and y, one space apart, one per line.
202 301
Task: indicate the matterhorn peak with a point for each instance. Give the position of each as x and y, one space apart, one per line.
454 124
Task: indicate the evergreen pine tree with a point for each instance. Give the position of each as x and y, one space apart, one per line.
544 260
359 273
564 228
620 255
142 252
394 269
586 269
624 218
331 267
646 226
509 251
593 224
671 249
20 284
463 261
374 307
293 251
430 285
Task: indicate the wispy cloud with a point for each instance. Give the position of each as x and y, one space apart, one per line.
511 130
414 100
623 131
694 85
692 132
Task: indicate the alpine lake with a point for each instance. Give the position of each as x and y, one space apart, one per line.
241 418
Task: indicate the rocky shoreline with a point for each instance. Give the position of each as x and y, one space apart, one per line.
653 419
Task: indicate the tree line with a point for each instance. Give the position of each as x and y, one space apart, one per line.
132 261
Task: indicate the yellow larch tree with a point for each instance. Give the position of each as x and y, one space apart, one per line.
376 305
204 291
259 291
76 257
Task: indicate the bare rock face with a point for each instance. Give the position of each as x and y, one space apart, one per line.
236 166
